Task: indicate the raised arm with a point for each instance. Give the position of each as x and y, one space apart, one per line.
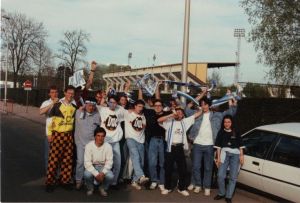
157 91
127 86
167 117
232 108
140 94
91 76
198 113
202 94
45 109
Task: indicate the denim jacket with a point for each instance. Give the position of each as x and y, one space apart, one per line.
215 120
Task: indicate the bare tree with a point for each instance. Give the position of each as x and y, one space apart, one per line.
22 35
215 76
73 48
42 57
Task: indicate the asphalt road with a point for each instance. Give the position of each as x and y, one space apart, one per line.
22 173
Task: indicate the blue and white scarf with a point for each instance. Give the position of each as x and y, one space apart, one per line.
170 135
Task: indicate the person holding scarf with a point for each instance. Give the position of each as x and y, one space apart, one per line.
176 127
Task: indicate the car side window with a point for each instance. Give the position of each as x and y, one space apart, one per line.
258 142
287 151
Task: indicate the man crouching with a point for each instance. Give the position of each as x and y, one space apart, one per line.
98 161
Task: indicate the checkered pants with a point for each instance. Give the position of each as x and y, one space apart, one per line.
60 155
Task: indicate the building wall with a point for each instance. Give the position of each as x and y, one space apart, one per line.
199 70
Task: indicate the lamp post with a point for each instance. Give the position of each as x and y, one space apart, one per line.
154 58
185 52
239 33
6 69
129 57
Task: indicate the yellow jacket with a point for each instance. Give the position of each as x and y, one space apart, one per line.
62 118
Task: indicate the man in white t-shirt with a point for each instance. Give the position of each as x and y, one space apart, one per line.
176 127
135 123
45 109
203 133
111 118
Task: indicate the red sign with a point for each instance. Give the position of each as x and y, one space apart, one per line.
27 84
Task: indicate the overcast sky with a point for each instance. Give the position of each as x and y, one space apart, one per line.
148 27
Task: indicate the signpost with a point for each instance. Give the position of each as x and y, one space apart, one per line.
27 87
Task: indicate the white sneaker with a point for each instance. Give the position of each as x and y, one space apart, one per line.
102 192
207 192
165 192
190 187
136 185
89 192
184 192
153 185
143 180
197 189
161 187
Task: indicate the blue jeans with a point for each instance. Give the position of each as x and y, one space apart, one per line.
89 178
79 162
156 150
233 161
116 161
136 151
205 152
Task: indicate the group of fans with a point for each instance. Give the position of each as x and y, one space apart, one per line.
112 140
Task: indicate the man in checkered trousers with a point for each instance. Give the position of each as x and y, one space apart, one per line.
61 145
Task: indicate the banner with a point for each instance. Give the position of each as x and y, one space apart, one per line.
185 95
192 85
234 95
148 84
77 79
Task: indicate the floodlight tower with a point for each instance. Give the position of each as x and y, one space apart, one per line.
129 57
238 33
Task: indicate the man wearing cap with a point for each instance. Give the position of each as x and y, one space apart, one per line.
87 119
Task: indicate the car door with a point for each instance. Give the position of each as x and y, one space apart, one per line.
281 170
257 145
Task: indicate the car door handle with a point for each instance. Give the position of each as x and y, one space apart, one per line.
255 163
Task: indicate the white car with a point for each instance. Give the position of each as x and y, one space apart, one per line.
272 160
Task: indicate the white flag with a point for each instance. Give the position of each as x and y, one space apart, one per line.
77 79
148 84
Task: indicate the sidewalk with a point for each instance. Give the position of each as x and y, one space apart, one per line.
20 110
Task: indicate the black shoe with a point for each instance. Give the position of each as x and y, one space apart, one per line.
127 181
218 197
228 200
49 188
67 186
114 187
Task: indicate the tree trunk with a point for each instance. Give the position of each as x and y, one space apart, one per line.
15 78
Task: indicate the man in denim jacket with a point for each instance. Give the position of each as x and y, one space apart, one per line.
203 134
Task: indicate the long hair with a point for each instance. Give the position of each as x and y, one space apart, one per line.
232 123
